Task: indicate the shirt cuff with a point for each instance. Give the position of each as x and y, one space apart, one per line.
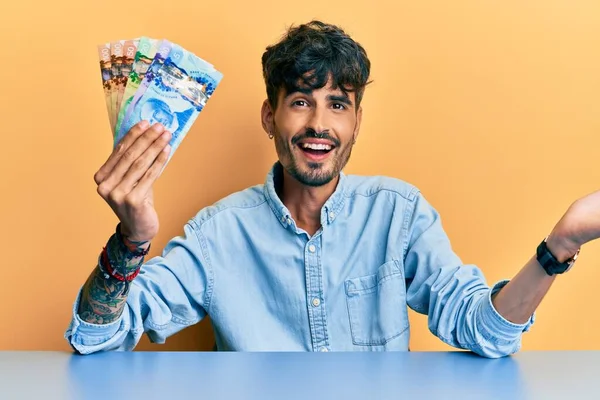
495 327
82 334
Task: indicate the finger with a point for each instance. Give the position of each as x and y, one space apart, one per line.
145 184
130 156
119 150
143 163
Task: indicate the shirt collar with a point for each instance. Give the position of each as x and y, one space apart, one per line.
330 211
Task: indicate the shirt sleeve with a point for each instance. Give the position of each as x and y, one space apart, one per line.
454 296
172 292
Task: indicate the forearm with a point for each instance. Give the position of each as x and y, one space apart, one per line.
519 299
103 296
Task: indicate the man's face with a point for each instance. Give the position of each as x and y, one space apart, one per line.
160 116
314 132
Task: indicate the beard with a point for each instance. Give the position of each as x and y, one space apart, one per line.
312 174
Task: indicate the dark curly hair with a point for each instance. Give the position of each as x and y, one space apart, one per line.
308 55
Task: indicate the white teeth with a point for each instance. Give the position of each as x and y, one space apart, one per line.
316 146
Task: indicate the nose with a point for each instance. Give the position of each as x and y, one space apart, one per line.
316 121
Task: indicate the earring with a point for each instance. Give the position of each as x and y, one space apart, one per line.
270 136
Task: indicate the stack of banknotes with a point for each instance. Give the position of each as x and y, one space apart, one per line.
157 81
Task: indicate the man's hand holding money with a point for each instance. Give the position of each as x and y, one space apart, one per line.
126 178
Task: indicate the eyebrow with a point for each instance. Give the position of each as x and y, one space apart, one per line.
343 98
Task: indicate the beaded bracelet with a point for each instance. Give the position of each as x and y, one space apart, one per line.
108 270
106 262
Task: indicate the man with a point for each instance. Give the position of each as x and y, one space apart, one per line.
313 260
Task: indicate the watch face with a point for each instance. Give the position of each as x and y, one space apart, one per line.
572 260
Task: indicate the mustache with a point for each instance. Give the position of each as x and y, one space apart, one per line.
311 133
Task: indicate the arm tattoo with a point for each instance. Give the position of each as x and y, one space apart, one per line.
103 299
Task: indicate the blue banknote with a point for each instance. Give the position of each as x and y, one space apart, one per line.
178 92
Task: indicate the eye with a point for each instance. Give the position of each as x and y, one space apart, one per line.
299 103
339 106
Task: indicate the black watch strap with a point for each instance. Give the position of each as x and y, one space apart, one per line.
550 264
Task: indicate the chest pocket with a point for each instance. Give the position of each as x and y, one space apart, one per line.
377 305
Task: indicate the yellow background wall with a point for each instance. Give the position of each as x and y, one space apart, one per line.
491 108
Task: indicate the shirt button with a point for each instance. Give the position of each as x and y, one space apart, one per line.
331 215
312 248
316 302
324 349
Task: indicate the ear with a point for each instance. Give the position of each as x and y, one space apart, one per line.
267 116
358 121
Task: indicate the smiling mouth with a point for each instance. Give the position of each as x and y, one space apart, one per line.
316 149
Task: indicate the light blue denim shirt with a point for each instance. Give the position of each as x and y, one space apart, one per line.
268 285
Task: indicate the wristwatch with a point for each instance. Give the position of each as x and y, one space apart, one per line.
550 263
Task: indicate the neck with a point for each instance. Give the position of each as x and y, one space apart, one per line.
305 202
